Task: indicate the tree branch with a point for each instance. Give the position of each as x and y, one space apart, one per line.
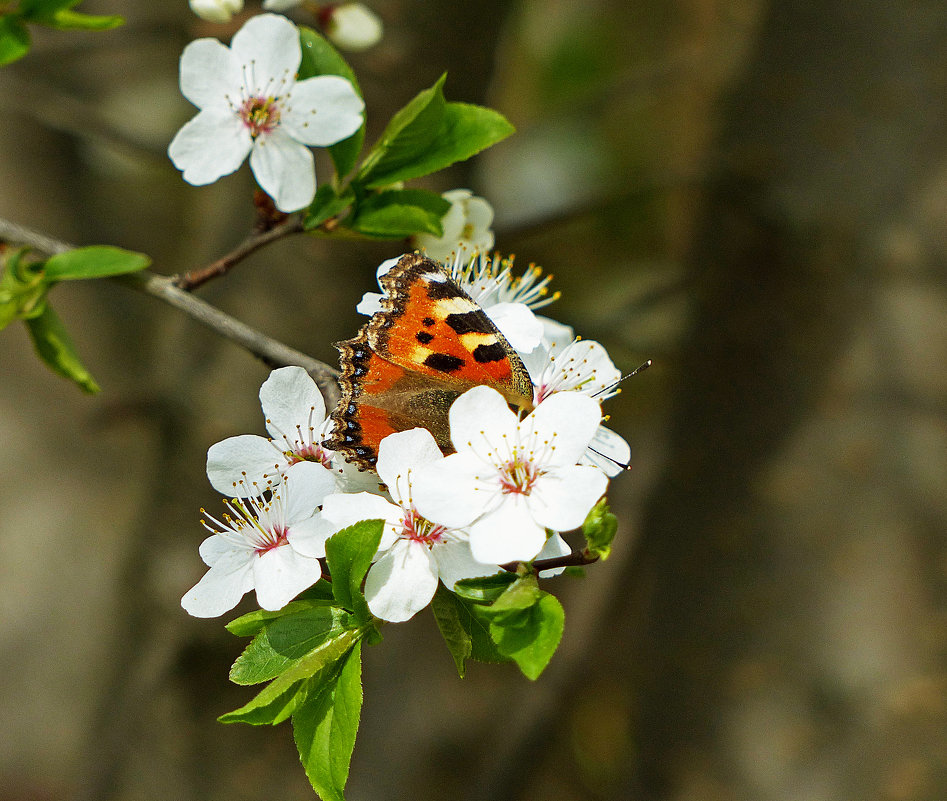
195 278
267 349
574 559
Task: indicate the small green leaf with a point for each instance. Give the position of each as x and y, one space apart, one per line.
484 590
253 622
14 39
428 135
284 641
467 635
324 728
97 261
273 711
521 594
447 613
74 21
54 346
599 530
398 213
320 662
530 636
321 58
23 288
349 554
326 204
31 9
408 135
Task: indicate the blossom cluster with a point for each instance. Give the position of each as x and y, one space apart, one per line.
512 483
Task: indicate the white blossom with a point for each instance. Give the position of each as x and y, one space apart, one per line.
251 104
353 26
216 10
414 552
466 228
252 547
511 479
295 414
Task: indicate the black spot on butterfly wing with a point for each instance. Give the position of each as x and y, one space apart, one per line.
472 322
444 362
489 353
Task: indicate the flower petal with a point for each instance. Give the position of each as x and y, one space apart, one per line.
561 499
267 49
322 111
402 582
243 466
344 510
475 413
451 492
209 73
219 591
284 169
209 146
307 485
567 421
280 574
456 562
309 536
555 546
518 324
608 451
402 452
508 534
290 399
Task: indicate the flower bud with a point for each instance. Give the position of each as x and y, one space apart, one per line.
216 10
352 26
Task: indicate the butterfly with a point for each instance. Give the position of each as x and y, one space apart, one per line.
428 345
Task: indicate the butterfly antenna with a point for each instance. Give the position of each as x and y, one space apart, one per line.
639 369
622 465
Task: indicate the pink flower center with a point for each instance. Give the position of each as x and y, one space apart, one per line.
260 115
268 539
416 528
309 453
518 476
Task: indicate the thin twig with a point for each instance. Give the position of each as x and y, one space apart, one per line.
574 559
195 278
270 351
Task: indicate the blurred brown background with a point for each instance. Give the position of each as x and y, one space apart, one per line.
754 194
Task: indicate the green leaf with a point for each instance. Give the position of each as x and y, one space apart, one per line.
321 58
399 213
447 613
14 39
325 726
31 9
274 711
275 697
525 624
484 590
327 203
54 346
97 261
599 530
530 636
23 288
253 622
349 554
466 634
72 20
429 134
408 135
285 640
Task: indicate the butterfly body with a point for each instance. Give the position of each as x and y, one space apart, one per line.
428 345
